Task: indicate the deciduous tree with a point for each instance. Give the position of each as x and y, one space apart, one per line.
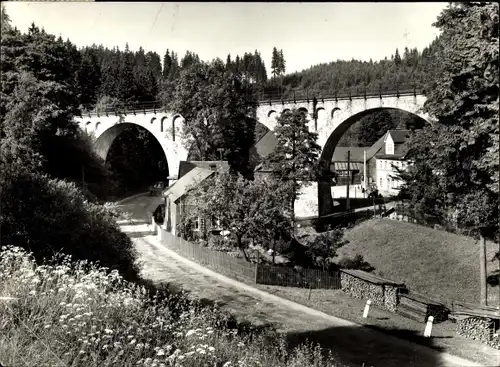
462 148
218 107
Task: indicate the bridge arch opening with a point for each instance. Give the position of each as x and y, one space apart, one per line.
177 119
162 122
325 200
271 113
153 120
303 110
126 147
333 111
97 125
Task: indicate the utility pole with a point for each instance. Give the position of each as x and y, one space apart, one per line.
348 177
365 179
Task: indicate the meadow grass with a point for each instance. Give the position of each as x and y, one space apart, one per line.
441 265
66 313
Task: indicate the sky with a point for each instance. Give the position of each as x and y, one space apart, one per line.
308 33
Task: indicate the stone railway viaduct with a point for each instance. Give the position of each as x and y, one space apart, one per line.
329 117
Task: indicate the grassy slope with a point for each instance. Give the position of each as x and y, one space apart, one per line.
441 265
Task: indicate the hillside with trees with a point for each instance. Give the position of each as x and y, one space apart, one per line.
43 154
108 77
402 71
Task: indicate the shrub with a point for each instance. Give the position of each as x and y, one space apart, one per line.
47 216
357 262
319 250
75 313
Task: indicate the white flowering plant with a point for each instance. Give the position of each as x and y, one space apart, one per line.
67 313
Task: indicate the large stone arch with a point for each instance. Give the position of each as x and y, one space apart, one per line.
103 141
325 200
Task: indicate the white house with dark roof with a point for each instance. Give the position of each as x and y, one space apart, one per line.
390 155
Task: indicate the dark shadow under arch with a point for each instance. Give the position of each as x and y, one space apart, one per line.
303 110
103 143
325 200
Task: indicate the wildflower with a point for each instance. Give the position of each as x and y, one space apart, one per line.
240 344
190 332
105 346
47 326
108 331
81 352
32 293
160 352
212 349
132 342
227 364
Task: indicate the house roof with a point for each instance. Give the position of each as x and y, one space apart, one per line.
266 144
399 136
186 166
340 154
181 186
375 148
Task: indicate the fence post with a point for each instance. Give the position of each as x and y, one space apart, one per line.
428 327
257 267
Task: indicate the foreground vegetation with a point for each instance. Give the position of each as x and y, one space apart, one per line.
77 314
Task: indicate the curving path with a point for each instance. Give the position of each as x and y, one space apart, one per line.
353 344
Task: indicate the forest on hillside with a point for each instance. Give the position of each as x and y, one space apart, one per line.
110 77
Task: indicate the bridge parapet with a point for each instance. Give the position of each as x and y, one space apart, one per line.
288 98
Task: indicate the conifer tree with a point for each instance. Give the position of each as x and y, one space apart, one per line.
275 62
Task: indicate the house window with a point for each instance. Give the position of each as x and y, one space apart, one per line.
213 167
202 224
197 224
381 182
389 148
389 183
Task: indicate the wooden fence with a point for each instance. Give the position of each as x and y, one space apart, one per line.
218 261
303 278
250 272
